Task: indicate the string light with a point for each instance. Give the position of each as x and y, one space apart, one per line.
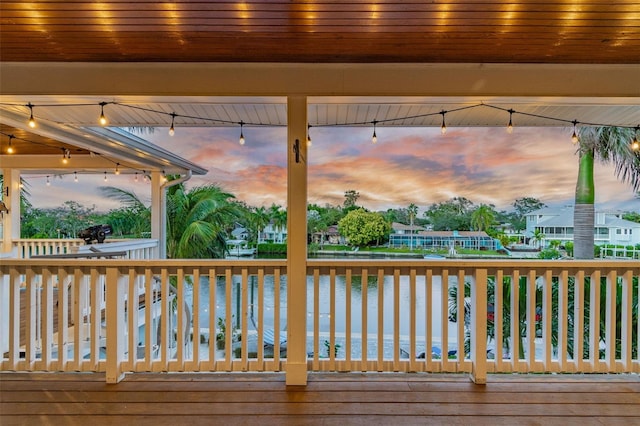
443 128
10 149
65 160
510 125
164 177
103 119
75 177
635 145
574 136
308 134
32 121
136 177
374 137
216 120
241 141
105 177
48 181
172 131
144 176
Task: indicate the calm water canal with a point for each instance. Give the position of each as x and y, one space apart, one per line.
434 311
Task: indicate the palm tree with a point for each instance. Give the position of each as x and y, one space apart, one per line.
608 145
258 220
413 211
138 215
483 217
278 217
570 312
196 219
537 237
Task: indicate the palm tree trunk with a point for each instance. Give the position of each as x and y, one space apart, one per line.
584 215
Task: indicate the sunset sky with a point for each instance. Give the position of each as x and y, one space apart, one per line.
407 165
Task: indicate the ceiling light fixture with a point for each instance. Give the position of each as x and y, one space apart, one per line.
10 149
172 131
374 137
32 121
103 119
510 125
241 141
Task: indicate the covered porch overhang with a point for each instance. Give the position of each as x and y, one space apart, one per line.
55 148
304 94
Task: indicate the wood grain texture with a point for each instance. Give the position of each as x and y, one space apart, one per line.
598 31
328 399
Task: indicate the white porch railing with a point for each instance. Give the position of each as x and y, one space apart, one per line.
135 248
373 315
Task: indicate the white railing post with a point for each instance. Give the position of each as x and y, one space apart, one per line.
115 325
478 327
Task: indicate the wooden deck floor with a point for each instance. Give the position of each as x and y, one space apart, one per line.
329 399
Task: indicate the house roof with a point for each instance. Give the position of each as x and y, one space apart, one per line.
402 227
563 217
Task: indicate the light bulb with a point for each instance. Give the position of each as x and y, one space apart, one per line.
32 121
308 140
443 128
374 137
172 131
10 149
241 140
574 136
48 181
635 145
75 177
136 177
103 119
510 125
105 177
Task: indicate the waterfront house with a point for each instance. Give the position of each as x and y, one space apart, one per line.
557 224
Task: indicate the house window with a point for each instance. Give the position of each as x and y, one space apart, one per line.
619 231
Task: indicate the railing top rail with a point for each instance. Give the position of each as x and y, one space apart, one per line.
168 263
603 265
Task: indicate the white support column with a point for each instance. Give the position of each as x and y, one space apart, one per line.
11 199
296 367
159 214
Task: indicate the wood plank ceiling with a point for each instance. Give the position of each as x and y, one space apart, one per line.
334 31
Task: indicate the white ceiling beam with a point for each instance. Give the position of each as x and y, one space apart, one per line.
279 79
